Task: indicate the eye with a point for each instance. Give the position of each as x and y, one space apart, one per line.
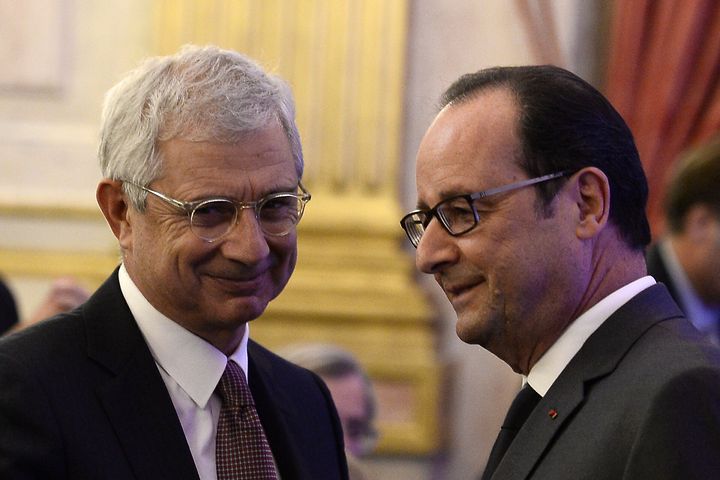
280 207
213 213
457 212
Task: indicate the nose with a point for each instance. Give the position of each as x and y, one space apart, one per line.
246 243
437 249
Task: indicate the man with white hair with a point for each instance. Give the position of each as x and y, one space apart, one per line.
155 375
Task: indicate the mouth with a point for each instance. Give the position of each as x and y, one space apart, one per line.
461 292
238 284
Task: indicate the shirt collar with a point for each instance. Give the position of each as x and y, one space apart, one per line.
544 373
701 315
199 368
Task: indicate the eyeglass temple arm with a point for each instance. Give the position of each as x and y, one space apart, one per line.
515 186
184 206
306 194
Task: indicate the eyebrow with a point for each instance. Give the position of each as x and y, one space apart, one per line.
444 195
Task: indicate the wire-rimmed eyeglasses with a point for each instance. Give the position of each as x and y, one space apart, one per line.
458 214
213 218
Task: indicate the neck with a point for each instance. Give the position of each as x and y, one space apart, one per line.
612 266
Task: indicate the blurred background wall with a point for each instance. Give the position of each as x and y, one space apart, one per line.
366 75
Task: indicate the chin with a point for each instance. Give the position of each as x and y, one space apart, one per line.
241 310
466 333
473 330
247 315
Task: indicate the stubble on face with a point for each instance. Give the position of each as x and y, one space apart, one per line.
486 325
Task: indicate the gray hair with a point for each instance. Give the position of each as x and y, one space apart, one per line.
198 94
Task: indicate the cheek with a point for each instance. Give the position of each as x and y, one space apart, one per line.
285 252
518 268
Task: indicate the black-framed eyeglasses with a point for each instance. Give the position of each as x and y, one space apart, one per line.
213 218
458 214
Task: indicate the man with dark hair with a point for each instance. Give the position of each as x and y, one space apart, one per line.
687 259
531 218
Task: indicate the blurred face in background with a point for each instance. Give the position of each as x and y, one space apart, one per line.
349 392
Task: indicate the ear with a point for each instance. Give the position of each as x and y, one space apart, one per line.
699 223
592 196
115 208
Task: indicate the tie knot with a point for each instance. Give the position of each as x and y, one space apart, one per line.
233 388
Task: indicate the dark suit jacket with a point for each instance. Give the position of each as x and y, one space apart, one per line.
640 400
82 398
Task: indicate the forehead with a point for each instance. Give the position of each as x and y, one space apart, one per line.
471 146
348 391
262 160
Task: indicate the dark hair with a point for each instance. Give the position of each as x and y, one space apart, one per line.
565 124
696 181
8 309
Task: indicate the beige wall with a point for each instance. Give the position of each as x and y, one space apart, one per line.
48 130
49 119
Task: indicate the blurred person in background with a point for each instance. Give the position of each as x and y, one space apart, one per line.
64 295
352 392
687 258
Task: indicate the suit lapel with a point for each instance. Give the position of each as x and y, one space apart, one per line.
597 358
132 392
539 430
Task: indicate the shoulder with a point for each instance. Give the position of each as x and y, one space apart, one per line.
667 360
641 348
269 364
287 383
45 341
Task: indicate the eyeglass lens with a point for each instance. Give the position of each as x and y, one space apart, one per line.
414 225
456 214
276 215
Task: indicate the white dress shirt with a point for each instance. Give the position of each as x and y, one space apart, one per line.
544 373
190 378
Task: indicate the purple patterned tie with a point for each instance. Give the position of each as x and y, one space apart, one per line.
241 449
